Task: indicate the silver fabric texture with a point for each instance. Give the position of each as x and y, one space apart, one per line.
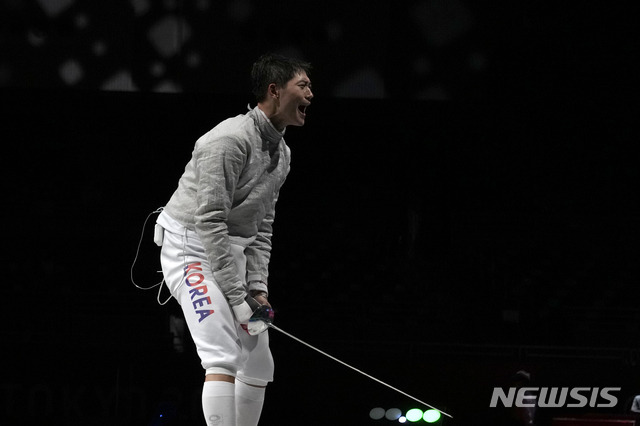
229 189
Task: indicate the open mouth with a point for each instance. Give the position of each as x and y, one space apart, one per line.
303 109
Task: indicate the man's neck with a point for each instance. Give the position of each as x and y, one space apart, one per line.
270 110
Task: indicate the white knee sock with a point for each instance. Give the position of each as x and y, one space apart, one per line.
218 403
249 401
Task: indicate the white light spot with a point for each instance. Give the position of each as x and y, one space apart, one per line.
376 413
71 72
393 414
168 35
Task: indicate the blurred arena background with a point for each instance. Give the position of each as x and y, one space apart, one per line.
475 160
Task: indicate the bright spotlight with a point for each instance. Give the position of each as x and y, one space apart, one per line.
414 415
431 416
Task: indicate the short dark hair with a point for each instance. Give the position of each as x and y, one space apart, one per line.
272 68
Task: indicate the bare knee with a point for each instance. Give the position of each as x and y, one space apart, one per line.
219 378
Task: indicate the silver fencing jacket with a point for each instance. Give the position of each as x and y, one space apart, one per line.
229 189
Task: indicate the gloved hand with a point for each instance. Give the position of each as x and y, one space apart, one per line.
244 310
260 320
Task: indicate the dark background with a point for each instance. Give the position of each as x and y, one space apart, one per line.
462 203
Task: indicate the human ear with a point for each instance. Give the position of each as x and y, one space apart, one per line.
273 91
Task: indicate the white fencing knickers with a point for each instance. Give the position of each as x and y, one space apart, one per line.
223 346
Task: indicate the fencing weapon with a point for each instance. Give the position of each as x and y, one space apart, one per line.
262 319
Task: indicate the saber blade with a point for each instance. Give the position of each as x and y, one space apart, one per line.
355 369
